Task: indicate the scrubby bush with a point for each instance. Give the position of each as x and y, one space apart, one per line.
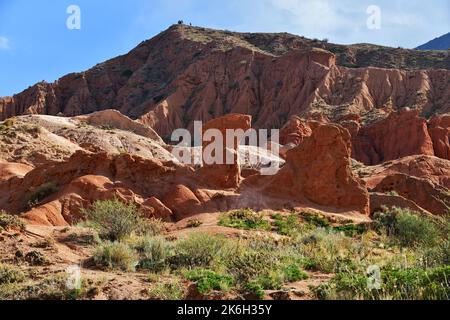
198 250
10 274
315 219
167 290
8 221
408 228
115 256
154 252
293 273
396 284
329 251
114 220
208 280
246 219
41 193
289 225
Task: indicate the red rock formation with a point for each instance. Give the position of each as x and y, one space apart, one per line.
9 170
159 209
176 77
318 170
432 168
379 201
224 175
439 129
400 135
85 178
423 192
295 131
182 201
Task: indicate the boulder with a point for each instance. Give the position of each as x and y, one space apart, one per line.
182 202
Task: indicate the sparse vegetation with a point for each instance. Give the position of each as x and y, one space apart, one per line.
154 252
244 219
10 274
115 256
167 290
115 220
8 221
198 250
41 193
208 280
408 228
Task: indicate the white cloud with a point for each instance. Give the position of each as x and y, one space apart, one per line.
4 43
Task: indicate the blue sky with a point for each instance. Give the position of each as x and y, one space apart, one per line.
36 45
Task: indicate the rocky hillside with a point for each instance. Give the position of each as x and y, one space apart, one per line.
440 43
188 73
362 177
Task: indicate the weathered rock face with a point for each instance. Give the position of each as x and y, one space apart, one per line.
435 169
226 175
439 129
182 201
296 130
379 201
187 74
114 119
398 136
9 170
423 192
318 170
85 178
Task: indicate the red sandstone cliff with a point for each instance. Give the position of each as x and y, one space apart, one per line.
188 73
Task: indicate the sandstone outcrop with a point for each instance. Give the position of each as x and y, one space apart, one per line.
9 170
85 178
380 201
40 139
220 73
318 170
224 175
423 192
435 169
400 135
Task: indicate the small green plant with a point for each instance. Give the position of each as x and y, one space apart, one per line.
116 256
167 290
10 274
194 223
287 225
396 284
352 230
41 193
316 219
292 273
198 250
246 219
8 221
114 220
208 280
127 73
154 252
407 228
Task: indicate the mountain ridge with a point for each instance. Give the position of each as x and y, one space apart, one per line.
192 73
439 43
